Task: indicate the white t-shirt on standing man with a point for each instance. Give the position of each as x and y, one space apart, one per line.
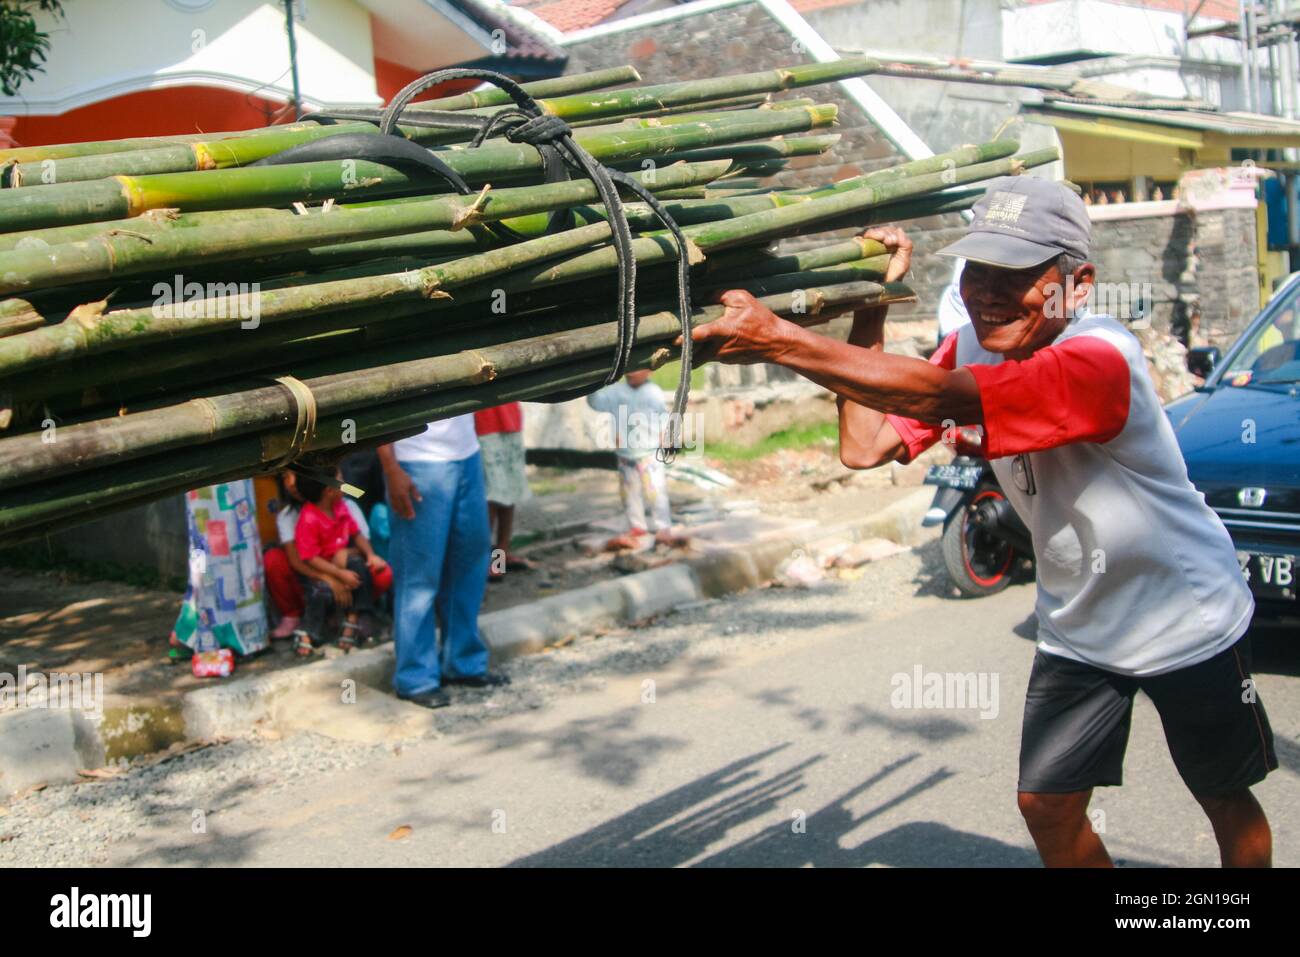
447 440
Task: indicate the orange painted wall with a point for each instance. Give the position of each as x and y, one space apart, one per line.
183 109
391 77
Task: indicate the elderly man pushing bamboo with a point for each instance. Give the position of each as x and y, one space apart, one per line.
1138 581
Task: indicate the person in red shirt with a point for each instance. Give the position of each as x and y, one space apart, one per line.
501 441
285 571
329 542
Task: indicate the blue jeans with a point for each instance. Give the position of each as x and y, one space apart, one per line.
440 565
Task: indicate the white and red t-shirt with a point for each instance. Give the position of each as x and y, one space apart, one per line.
1136 574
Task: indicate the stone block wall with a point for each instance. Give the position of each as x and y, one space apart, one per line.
1200 266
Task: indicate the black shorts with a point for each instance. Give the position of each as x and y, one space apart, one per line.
1077 719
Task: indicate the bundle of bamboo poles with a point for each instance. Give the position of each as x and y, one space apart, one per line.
171 316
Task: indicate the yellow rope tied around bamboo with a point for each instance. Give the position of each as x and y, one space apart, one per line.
304 429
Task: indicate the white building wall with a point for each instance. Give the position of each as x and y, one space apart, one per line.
1066 26
102 49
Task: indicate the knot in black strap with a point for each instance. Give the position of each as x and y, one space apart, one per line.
539 130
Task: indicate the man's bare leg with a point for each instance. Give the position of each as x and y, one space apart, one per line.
1061 829
1241 829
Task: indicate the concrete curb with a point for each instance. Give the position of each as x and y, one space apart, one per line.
233 708
49 746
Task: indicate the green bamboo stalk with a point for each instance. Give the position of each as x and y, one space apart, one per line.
951 160
18 315
556 86
751 100
240 151
152 221
789 218
179 317
74 499
127 254
28 458
744 264
764 225
395 320
871 269
746 154
123 196
139 483
636 100
747 229
693 113
61 151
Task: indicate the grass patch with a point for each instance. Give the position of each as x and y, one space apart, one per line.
666 377
552 486
795 437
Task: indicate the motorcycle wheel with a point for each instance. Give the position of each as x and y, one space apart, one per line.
978 563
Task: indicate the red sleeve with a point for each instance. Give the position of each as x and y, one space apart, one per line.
306 534
341 514
918 436
1077 391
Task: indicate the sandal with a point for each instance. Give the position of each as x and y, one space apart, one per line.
302 646
348 634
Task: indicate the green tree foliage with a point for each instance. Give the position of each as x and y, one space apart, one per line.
22 46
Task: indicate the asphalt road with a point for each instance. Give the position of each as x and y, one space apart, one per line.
762 739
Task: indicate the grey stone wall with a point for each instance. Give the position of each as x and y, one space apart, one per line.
1154 250
1227 274
150 538
1201 268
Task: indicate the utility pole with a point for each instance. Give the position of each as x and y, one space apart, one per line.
293 58
1245 57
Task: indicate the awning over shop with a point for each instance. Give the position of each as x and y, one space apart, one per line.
1199 130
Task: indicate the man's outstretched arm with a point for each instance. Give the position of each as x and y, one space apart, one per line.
868 382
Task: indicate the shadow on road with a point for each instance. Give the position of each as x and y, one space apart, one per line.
679 827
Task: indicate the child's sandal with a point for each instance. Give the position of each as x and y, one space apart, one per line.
302 646
348 635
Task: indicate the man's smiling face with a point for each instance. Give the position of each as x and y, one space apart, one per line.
1015 312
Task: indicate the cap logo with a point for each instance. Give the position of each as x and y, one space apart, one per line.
1005 207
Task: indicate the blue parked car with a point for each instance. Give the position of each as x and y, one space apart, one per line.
1240 435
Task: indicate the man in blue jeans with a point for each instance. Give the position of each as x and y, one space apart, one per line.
440 550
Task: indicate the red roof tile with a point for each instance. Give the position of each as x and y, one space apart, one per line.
571 15
1210 10
522 41
805 6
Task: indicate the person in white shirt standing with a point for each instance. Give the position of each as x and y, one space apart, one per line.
1138 582
440 549
638 414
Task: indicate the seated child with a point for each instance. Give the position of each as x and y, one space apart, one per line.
330 543
284 569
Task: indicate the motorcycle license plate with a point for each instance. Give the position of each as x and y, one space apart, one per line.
954 476
1271 576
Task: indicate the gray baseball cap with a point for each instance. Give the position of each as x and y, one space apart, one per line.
1022 221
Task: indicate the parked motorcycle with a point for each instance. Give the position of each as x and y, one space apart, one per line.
984 541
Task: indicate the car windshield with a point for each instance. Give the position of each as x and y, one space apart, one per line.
1272 354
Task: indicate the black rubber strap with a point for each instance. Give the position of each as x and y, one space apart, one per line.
561 155
392 151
